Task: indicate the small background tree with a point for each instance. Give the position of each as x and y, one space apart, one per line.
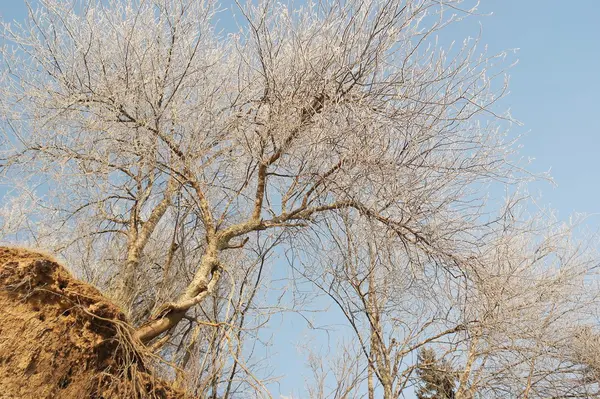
437 379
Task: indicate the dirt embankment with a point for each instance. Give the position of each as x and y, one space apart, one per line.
60 338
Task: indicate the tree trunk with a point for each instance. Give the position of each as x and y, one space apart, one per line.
464 392
201 286
125 290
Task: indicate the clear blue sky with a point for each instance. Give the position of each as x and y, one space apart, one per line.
555 92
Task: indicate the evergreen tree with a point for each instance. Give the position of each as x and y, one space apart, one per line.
437 379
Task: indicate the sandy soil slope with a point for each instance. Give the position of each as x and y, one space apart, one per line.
61 338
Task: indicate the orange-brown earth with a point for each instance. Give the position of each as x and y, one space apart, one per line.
61 338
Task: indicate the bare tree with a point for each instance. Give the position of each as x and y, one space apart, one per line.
178 156
504 323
